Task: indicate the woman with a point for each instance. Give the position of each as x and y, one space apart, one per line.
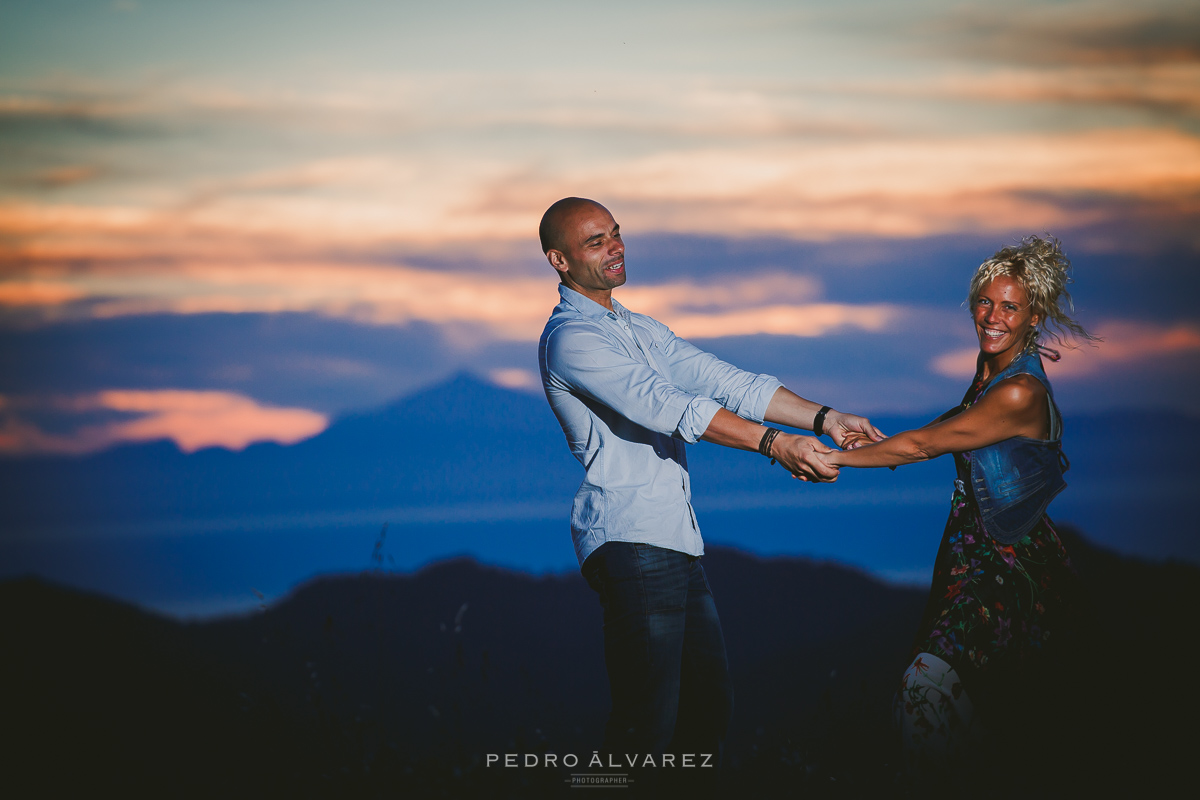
1001 575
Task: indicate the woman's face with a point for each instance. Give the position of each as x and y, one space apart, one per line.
1002 316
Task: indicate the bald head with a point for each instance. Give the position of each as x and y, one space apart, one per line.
555 221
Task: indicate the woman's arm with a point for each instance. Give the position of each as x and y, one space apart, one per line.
1015 407
853 440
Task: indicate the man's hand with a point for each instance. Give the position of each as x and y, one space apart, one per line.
849 431
801 456
854 439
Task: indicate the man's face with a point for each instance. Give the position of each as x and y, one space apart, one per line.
592 258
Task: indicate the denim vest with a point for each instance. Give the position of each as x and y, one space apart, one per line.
1015 480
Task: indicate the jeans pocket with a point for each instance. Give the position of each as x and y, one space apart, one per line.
664 578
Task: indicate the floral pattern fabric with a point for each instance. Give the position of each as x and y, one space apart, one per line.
993 609
934 715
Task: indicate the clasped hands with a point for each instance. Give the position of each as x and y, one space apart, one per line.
803 455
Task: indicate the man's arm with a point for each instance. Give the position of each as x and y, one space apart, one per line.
584 360
588 362
788 408
739 391
803 456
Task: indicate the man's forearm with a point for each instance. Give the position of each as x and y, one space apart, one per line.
788 408
799 455
730 430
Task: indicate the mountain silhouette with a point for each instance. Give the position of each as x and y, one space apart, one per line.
467 443
378 684
463 441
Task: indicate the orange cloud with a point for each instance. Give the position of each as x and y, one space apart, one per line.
814 319
1124 343
802 189
1166 85
513 308
192 419
514 378
32 293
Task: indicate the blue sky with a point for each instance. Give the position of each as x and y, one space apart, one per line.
252 217
305 207
234 222
224 223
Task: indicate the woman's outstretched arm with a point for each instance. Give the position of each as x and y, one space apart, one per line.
1015 407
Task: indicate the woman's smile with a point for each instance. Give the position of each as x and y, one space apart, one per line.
1002 317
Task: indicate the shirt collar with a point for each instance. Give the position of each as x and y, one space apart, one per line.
587 306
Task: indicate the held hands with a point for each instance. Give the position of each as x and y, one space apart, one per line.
849 431
804 457
854 440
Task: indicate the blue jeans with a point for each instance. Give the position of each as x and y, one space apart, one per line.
664 651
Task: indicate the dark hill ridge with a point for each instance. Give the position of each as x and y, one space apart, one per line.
390 685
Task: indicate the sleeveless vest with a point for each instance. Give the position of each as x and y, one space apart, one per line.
1015 480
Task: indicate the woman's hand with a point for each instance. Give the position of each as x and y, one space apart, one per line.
806 457
849 431
854 439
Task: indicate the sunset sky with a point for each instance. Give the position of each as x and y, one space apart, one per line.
226 222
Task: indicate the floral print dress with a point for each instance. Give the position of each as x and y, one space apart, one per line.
993 609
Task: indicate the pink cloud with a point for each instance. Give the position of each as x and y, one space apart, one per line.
815 319
514 378
863 186
1124 343
192 419
507 307
37 293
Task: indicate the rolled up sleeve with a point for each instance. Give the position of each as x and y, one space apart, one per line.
586 361
696 419
746 394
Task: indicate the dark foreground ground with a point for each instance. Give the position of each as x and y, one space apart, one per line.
380 685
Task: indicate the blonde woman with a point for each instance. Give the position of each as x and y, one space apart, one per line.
1001 575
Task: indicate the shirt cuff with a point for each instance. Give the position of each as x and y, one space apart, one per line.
754 405
696 418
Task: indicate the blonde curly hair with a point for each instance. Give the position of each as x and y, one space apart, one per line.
1041 268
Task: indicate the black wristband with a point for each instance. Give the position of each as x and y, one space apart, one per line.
768 439
819 421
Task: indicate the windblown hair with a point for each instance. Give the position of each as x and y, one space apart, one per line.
1043 271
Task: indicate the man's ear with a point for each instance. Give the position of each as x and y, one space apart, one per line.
557 259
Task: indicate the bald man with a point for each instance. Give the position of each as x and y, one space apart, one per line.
630 395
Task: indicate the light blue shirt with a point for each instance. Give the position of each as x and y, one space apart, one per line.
628 393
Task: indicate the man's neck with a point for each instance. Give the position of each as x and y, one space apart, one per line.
601 296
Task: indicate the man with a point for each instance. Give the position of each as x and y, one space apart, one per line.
628 394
